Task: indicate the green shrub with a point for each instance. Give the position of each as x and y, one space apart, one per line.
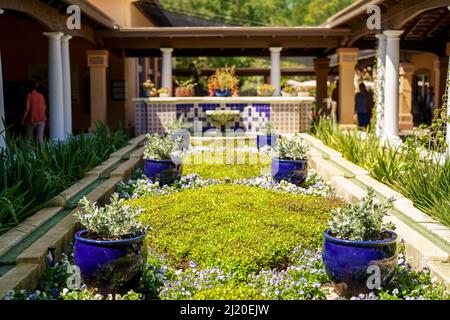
178 125
160 148
292 148
236 228
361 221
113 221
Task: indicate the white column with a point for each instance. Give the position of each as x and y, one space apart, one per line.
166 80
275 71
2 107
67 88
391 84
447 140
55 80
381 63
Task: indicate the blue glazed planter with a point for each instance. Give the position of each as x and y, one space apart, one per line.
293 171
109 265
263 140
222 93
164 171
347 262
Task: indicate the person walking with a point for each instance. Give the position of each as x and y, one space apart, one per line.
35 117
363 106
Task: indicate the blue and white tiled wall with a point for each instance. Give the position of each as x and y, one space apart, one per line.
253 117
287 117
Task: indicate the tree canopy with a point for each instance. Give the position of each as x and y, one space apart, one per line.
260 12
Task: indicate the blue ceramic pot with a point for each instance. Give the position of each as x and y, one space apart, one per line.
347 262
146 94
222 93
266 140
293 171
164 171
109 265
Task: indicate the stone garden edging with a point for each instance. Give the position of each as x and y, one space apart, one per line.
426 240
98 184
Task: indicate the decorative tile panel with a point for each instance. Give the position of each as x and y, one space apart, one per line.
287 117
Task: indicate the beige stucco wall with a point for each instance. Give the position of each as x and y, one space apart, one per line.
123 12
130 69
425 63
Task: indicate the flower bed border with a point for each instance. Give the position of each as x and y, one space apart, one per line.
426 240
30 262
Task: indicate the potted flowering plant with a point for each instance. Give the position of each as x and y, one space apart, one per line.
266 90
223 83
268 137
162 157
164 92
185 88
110 250
358 244
149 89
290 161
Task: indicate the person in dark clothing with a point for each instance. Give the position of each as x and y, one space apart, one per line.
335 99
429 105
363 106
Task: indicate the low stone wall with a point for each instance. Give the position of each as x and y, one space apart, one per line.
426 240
51 229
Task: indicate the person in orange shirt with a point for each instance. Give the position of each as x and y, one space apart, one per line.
35 114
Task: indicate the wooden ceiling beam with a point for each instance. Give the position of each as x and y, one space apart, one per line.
436 25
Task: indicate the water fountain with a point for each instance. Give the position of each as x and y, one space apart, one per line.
222 117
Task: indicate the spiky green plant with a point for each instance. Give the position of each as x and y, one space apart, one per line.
31 174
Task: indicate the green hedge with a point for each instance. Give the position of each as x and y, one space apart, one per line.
236 228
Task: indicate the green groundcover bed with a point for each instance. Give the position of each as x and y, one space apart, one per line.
237 228
225 239
222 165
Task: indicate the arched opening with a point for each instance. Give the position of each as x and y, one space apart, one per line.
423 91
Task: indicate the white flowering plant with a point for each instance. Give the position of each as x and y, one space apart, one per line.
292 148
361 221
161 148
178 125
115 221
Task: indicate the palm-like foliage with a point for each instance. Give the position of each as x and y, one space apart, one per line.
426 183
30 174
